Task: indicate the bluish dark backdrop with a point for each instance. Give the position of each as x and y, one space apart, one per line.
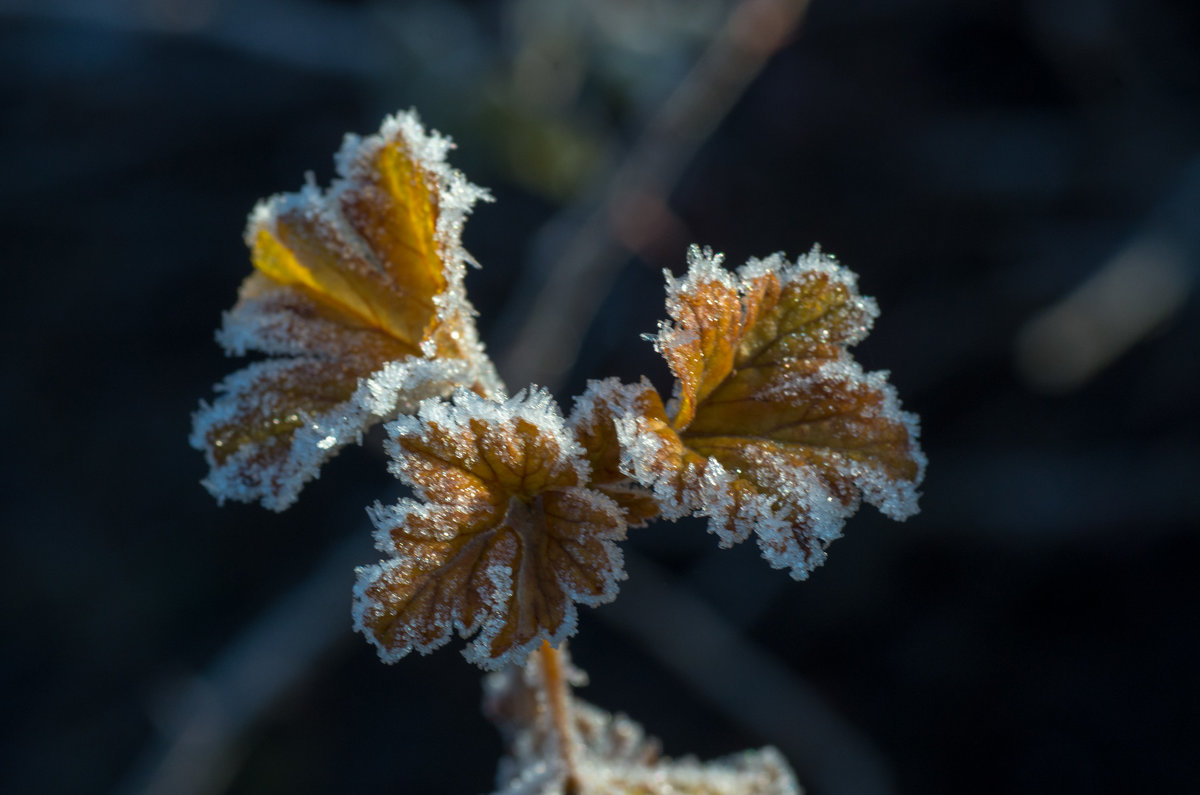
1035 630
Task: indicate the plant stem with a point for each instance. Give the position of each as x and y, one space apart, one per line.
558 700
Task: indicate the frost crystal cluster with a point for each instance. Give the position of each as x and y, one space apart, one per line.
772 431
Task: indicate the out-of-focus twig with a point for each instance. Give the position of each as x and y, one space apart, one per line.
1137 290
553 306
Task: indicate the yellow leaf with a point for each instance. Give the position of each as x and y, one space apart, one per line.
503 541
774 429
358 290
367 247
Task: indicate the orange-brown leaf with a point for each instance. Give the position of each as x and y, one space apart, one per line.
368 247
359 290
596 416
774 429
504 540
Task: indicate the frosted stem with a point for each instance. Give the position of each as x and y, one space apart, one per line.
558 700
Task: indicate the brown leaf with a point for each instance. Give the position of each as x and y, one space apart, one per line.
777 431
503 541
594 418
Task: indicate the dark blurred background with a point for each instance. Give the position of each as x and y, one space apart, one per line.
1017 183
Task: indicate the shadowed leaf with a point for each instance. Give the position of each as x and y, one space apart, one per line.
503 540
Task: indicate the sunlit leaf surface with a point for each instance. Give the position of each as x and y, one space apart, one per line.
358 292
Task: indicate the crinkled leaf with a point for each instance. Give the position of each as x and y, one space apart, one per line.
595 417
359 290
776 430
503 540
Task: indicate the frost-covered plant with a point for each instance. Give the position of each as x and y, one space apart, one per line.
772 430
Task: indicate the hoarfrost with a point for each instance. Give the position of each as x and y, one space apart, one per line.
609 393
643 456
801 520
440 421
503 539
703 266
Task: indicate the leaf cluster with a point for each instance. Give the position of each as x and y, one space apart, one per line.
771 431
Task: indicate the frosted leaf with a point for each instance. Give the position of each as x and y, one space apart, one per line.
773 429
612 754
503 539
358 293
596 415
264 443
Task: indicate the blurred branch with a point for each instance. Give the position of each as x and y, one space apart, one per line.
1135 292
552 308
